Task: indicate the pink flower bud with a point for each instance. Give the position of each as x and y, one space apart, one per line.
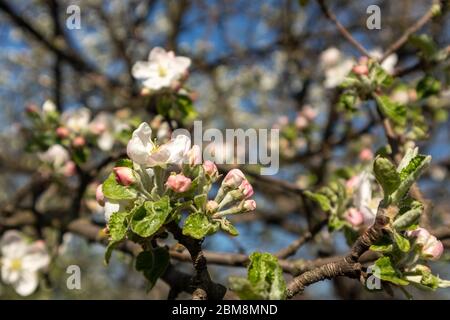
79 142
363 60
69 169
433 249
62 132
178 183
361 69
309 113
283 121
31 108
422 235
98 128
354 217
210 168
246 189
233 179
194 155
366 154
301 122
99 195
124 176
249 205
211 206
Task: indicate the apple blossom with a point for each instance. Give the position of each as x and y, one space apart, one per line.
249 205
233 179
162 70
366 154
143 151
124 175
20 262
69 169
210 168
178 183
361 69
194 156
99 196
79 142
354 217
76 120
301 122
246 189
62 132
211 206
48 107
56 156
431 248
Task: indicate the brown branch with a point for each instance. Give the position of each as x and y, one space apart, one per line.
343 30
415 27
347 266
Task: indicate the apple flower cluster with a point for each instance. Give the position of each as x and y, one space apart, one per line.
21 262
160 183
163 70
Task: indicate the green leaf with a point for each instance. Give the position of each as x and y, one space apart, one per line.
124 163
264 279
153 264
409 175
383 245
407 219
320 199
109 250
144 261
392 110
150 217
428 86
200 201
425 44
226 226
347 101
380 76
197 226
117 225
116 191
386 175
387 272
401 242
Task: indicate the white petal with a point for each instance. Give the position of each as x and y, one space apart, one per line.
181 64
76 120
106 141
157 53
13 245
141 70
37 257
48 106
178 148
140 145
26 284
9 275
111 207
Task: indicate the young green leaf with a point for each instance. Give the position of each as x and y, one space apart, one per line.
116 191
320 199
117 225
387 272
264 279
150 217
197 226
392 110
386 175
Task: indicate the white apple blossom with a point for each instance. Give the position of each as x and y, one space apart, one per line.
20 262
335 66
48 106
105 126
162 70
56 156
389 63
76 120
142 150
362 198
